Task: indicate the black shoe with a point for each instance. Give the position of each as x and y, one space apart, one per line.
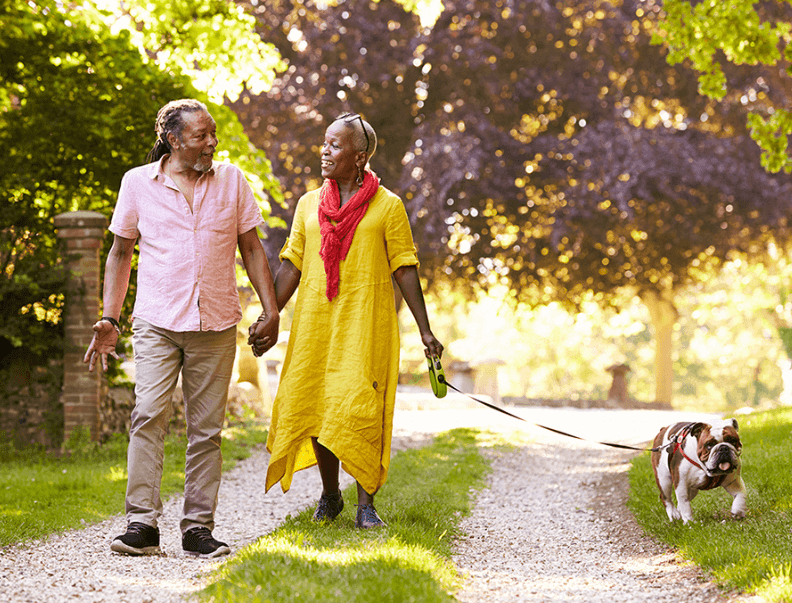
329 507
367 518
140 539
198 542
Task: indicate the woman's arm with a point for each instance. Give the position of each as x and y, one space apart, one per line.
410 285
286 282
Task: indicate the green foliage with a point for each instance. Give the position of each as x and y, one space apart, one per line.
752 555
80 87
548 148
41 494
213 43
427 492
743 33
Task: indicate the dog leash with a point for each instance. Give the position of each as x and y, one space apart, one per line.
439 385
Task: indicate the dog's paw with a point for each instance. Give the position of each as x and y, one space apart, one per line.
673 513
738 514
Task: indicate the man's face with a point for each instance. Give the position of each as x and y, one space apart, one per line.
198 141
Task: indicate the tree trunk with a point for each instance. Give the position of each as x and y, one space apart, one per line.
664 316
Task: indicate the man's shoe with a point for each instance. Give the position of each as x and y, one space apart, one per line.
367 518
140 539
198 542
329 507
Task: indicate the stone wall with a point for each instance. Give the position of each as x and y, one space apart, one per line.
30 407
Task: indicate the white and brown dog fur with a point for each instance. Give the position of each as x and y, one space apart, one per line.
698 456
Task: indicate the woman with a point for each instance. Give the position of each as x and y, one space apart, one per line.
338 385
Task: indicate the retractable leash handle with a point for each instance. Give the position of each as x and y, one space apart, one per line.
437 377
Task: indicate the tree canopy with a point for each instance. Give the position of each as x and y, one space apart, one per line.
551 148
741 50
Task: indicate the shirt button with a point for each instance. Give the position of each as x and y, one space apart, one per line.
376 385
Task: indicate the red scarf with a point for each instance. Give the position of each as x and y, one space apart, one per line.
337 238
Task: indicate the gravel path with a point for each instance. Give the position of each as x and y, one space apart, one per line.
551 526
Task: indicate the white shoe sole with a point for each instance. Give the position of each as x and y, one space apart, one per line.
120 547
219 552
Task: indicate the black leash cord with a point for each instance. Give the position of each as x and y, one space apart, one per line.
442 379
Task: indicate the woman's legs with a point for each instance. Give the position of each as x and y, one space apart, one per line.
328 467
331 503
364 498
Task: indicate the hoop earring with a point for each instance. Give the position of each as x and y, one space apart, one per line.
359 180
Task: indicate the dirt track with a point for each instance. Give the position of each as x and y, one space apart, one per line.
552 526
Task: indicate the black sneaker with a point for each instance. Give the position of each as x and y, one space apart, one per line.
367 518
140 539
329 507
198 542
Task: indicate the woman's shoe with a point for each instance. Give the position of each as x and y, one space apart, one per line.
329 507
367 518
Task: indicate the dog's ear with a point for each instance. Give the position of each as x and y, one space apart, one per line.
696 428
735 425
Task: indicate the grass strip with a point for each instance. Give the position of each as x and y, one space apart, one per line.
427 493
753 555
42 495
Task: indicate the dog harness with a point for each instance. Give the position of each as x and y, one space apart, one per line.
713 481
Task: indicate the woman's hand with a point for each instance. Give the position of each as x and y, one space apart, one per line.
263 334
432 345
102 345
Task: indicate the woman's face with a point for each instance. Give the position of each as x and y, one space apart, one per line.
339 157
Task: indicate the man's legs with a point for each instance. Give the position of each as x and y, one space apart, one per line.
158 359
208 364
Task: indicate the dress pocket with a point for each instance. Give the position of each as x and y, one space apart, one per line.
364 409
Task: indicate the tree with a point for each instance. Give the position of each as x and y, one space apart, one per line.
77 108
743 50
549 148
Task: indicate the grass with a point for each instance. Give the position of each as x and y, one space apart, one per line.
753 555
42 495
427 493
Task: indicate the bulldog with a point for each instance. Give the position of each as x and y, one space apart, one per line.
688 457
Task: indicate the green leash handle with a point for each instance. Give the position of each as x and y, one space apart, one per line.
437 377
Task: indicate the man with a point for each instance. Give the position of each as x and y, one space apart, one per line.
188 214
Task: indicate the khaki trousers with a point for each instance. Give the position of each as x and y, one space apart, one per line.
205 360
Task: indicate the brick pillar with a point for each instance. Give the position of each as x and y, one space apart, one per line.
81 233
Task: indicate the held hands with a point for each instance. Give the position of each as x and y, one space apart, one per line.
103 344
263 334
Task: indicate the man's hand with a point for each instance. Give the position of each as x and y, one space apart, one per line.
103 344
263 334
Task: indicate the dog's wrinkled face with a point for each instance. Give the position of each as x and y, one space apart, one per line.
719 447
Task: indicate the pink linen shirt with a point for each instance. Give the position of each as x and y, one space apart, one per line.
186 269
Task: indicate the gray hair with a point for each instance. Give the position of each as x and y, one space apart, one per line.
170 121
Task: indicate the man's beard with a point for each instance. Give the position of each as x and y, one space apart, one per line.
202 165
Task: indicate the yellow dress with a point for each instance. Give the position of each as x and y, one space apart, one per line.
339 377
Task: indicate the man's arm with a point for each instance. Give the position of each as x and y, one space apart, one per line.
116 282
410 285
265 328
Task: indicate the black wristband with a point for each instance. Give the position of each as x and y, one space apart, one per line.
113 322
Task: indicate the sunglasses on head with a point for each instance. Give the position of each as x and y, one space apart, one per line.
350 117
